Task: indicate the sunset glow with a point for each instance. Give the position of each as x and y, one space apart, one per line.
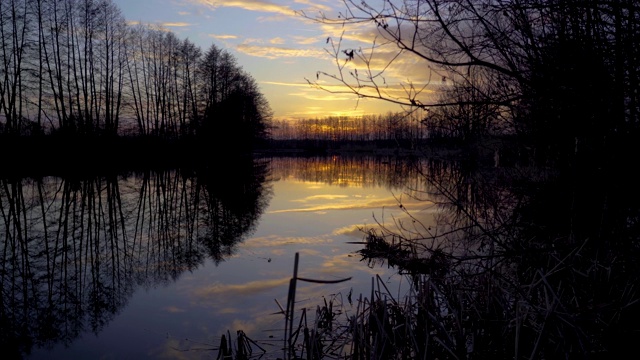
281 49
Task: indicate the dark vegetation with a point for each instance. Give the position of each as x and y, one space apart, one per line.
77 81
75 248
535 257
535 253
560 77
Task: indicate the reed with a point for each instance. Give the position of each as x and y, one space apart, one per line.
319 338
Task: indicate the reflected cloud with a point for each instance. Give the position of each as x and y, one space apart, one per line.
174 309
321 197
278 241
309 252
178 349
339 266
356 231
352 205
229 310
262 322
246 289
248 327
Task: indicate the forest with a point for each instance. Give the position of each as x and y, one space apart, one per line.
76 72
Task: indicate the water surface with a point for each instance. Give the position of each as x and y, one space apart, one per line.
161 264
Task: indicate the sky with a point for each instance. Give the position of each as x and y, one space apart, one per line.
276 45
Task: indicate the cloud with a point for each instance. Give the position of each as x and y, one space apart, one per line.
176 24
306 85
321 97
306 40
313 5
223 36
273 52
311 112
251 5
277 41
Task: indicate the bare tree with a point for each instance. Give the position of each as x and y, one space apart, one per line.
232 104
529 67
75 67
14 25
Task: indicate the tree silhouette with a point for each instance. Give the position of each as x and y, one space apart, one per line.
75 69
562 75
235 112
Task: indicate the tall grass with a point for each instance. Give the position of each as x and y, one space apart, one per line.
378 326
454 308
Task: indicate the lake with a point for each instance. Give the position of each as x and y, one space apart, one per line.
161 264
500 262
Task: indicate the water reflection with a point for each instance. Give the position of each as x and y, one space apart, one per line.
523 262
391 172
73 250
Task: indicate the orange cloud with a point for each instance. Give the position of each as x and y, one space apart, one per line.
273 52
277 41
251 5
250 288
223 37
321 197
176 24
313 5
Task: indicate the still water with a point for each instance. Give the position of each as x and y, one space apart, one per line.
160 264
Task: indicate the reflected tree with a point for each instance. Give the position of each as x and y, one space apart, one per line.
520 263
229 206
73 250
391 172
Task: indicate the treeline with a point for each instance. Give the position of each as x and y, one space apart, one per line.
562 76
387 127
75 67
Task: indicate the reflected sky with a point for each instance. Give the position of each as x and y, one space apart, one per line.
186 318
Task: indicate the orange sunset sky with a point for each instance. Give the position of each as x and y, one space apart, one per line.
281 49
